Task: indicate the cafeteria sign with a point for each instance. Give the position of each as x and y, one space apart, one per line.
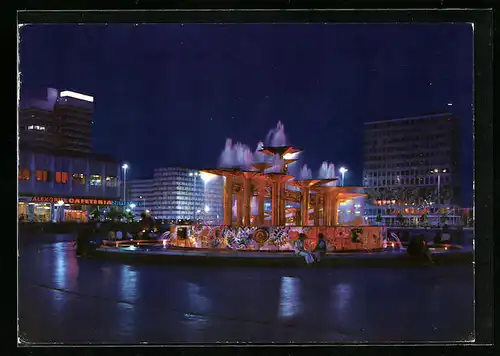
85 201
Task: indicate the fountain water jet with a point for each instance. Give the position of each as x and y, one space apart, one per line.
305 172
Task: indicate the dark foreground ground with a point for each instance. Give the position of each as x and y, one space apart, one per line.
67 300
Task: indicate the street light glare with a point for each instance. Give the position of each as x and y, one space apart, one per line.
343 170
435 170
125 166
207 208
132 206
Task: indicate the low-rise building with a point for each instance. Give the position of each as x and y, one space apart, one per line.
65 185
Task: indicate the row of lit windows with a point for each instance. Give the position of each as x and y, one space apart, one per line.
36 128
427 152
388 165
63 178
412 172
401 156
403 137
405 181
425 139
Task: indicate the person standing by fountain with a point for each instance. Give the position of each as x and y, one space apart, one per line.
301 251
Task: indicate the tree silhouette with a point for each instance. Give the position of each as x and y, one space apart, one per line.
114 213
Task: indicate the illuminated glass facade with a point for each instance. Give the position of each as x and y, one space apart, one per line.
182 193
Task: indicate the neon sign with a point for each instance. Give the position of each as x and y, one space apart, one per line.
72 200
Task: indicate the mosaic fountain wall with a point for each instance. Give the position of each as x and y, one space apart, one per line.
275 238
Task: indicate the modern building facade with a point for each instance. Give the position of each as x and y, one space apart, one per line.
142 192
183 193
412 163
64 186
57 120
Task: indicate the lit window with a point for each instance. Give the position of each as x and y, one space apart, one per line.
95 180
36 127
42 176
62 177
78 178
24 174
111 182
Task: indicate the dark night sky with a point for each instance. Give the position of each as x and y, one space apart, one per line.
172 94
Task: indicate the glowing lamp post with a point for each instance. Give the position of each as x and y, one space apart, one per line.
438 172
125 167
343 171
143 201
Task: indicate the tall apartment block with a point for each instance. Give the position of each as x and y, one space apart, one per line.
57 120
409 160
183 193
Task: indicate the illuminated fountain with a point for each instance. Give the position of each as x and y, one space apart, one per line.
307 205
304 205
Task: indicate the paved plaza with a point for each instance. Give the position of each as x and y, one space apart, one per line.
64 299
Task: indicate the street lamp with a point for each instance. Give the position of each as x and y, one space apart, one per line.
125 167
132 206
343 170
438 172
195 174
143 201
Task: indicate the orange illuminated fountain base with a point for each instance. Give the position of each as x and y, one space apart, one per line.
279 238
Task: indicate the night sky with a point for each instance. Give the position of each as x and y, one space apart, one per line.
171 94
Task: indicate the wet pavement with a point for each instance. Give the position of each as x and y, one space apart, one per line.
64 299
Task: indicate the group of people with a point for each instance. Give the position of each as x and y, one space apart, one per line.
316 254
417 248
140 230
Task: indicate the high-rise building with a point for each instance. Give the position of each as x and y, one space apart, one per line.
142 192
408 161
183 193
57 121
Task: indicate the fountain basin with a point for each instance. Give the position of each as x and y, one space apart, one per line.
231 258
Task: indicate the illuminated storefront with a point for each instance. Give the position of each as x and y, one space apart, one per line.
57 209
65 187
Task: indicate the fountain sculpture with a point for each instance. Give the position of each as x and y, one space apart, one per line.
319 196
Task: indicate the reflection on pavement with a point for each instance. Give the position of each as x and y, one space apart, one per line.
290 304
